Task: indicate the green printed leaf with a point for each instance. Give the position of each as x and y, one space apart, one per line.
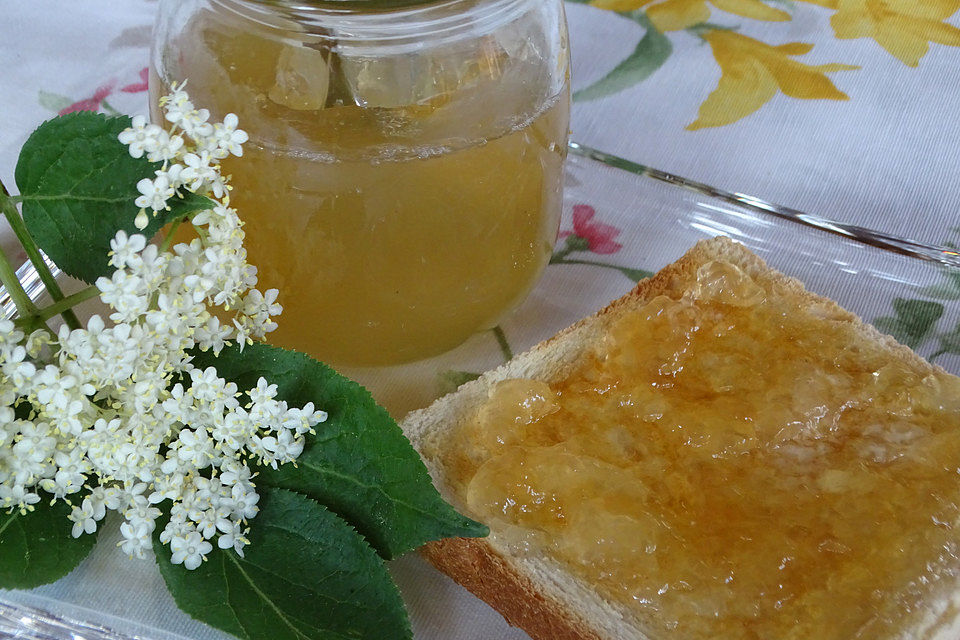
650 54
914 321
37 548
78 184
305 575
448 381
53 101
359 464
949 342
572 244
635 274
948 288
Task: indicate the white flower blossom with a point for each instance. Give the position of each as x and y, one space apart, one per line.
85 517
194 447
233 535
245 500
116 417
140 136
136 540
154 193
201 173
228 137
285 447
125 250
189 550
164 147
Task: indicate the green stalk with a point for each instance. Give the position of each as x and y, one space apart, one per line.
558 257
67 303
33 252
8 276
634 274
108 108
168 239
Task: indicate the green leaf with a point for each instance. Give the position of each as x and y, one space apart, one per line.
305 575
37 547
359 464
78 184
650 54
914 321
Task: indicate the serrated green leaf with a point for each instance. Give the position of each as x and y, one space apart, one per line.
359 464
649 55
306 575
78 184
37 547
914 321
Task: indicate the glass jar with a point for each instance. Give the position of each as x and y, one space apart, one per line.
402 182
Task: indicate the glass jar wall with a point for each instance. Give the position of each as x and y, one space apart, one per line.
402 184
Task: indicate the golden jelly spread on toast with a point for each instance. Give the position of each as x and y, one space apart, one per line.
730 463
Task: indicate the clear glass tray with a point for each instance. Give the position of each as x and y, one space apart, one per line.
636 220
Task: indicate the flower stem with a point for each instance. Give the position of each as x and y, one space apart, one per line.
557 258
168 239
634 274
33 252
67 303
8 276
108 108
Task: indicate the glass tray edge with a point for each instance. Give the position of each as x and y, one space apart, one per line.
943 255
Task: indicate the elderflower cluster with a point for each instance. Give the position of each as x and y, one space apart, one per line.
116 418
190 160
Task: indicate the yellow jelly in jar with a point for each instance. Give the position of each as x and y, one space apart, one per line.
395 223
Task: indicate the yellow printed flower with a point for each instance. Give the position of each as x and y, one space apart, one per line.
905 28
752 73
620 5
675 15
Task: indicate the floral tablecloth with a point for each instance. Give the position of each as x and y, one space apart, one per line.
842 108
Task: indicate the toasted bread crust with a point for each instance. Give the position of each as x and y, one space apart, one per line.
551 607
488 575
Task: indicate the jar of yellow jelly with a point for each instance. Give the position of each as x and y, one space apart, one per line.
402 182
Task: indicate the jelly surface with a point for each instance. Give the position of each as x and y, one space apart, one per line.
727 464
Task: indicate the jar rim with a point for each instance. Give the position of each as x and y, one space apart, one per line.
360 6
356 24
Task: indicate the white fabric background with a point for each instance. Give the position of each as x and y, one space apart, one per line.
886 159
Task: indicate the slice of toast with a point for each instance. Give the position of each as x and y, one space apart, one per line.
538 592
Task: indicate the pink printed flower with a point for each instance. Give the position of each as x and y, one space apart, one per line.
599 236
138 87
92 103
